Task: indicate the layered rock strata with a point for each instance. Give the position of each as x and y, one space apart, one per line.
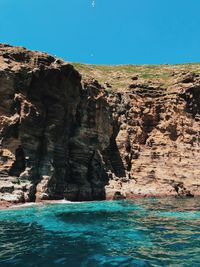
158 140
52 130
66 137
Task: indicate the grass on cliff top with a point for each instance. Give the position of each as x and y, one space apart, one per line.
120 76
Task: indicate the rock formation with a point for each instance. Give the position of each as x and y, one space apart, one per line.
66 137
53 130
158 140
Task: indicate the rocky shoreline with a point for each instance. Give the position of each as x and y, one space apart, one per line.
117 196
92 133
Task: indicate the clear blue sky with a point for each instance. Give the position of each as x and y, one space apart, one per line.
111 32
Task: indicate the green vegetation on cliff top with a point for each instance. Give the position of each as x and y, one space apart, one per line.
121 76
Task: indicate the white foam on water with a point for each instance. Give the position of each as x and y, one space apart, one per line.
30 204
62 201
25 205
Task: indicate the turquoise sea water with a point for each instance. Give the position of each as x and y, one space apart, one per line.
143 232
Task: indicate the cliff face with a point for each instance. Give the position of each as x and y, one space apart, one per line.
158 140
61 137
52 130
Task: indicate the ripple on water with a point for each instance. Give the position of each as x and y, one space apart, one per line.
144 232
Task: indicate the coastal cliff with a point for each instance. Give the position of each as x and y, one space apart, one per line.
53 129
83 132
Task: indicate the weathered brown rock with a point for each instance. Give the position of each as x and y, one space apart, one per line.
157 139
61 137
52 130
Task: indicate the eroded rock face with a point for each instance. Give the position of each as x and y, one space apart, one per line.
158 139
63 137
52 130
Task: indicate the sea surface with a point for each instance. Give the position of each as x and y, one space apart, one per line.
142 232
